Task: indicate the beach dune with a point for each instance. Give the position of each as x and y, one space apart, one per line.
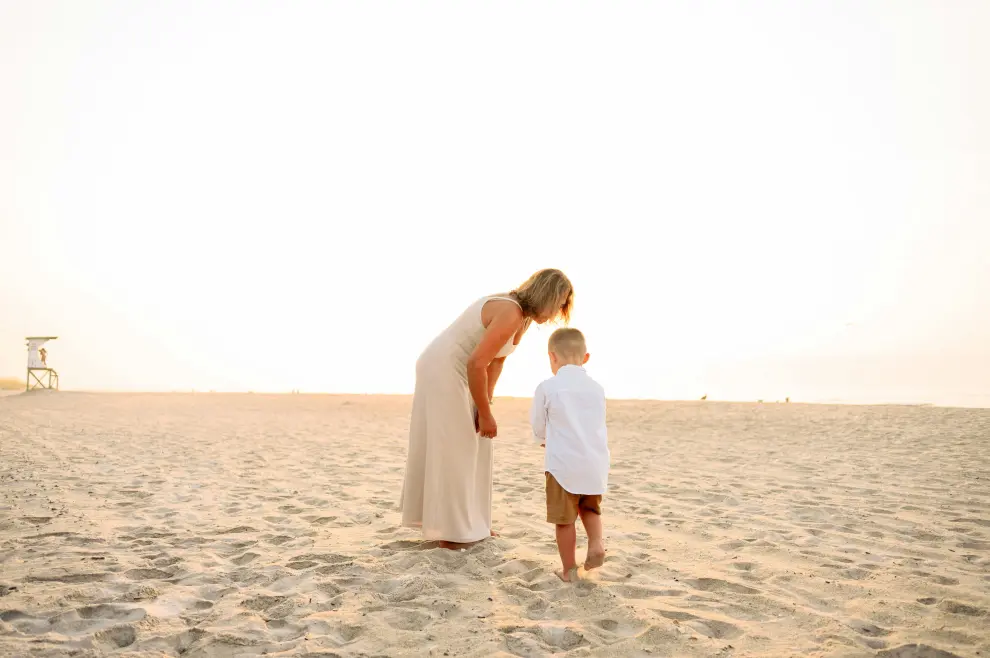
237 525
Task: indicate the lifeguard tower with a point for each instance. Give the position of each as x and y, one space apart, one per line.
38 370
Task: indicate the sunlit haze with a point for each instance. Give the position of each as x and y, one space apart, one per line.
753 200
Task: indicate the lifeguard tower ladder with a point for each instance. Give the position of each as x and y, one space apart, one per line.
38 370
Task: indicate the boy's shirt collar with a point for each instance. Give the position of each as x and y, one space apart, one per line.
569 366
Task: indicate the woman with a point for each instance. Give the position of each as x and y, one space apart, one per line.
448 485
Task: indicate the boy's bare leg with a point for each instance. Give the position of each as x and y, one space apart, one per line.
596 545
567 547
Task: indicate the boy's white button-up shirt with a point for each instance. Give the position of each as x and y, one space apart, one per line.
568 415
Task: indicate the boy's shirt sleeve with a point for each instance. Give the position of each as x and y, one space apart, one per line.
538 415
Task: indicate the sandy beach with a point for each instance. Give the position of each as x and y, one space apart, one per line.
240 525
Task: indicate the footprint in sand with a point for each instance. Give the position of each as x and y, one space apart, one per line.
676 615
868 629
330 589
640 593
339 633
716 585
114 612
630 627
91 619
609 625
333 569
325 558
957 608
114 638
321 520
916 651
408 620
981 522
36 520
147 574
406 588
69 578
544 585
134 493
273 607
854 574
517 567
718 630
166 561
937 579
537 608
241 560
46 535
139 593
25 623
545 638
285 631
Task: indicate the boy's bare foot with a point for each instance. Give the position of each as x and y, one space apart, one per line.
570 577
595 559
493 533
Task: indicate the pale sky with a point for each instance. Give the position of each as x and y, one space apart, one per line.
753 200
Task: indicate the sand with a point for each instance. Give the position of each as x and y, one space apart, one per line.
230 525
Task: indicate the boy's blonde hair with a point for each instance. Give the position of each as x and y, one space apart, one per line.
547 291
568 343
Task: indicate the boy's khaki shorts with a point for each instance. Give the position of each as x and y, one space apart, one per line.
563 507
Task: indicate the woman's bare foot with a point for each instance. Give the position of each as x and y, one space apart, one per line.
595 559
570 577
456 546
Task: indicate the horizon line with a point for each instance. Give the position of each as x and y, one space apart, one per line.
828 402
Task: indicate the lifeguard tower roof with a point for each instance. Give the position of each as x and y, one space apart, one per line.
37 362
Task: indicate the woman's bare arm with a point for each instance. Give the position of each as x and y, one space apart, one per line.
494 370
506 320
495 367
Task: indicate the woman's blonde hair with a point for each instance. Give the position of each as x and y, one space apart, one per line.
547 291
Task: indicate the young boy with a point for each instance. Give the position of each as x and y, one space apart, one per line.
568 418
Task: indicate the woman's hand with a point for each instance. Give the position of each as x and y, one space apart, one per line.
487 426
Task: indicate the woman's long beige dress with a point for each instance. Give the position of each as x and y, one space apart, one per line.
448 484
